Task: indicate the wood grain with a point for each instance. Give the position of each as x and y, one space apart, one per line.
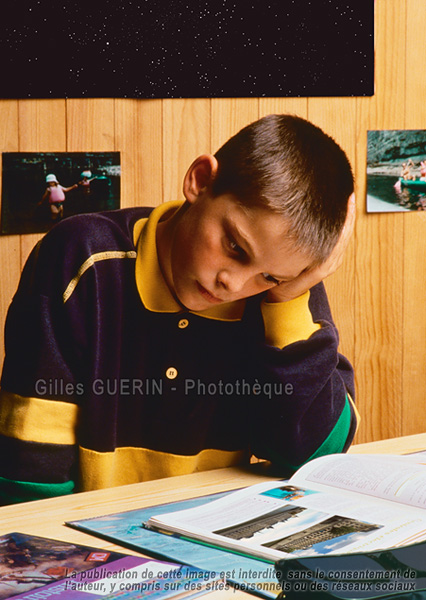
90 125
139 133
186 135
414 231
379 272
228 116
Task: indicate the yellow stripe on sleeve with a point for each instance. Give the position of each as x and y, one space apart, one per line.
288 322
131 465
37 420
107 255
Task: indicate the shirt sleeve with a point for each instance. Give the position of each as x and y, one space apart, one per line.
38 408
50 354
305 403
288 322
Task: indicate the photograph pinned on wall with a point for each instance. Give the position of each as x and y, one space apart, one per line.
396 170
41 188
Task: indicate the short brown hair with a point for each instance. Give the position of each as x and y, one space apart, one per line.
290 166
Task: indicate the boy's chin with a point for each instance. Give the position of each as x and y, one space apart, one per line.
195 304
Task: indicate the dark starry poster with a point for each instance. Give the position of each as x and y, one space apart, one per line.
186 48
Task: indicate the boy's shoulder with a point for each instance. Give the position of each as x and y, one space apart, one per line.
95 230
81 238
123 218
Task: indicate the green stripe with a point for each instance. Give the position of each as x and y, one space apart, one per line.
12 492
336 440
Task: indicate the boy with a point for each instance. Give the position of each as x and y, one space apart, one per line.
147 343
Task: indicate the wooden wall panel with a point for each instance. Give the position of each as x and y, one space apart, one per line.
379 239
293 106
90 125
229 115
413 396
42 125
376 296
139 132
186 135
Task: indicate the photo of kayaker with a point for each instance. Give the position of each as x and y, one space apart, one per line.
406 170
396 170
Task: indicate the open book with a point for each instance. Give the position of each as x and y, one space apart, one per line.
333 504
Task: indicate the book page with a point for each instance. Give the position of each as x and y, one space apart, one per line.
395 478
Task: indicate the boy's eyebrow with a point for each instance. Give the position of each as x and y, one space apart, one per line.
242 238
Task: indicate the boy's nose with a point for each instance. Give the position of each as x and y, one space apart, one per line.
232 281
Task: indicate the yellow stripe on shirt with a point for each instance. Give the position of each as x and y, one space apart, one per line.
131 465
288 322
37 420
108 255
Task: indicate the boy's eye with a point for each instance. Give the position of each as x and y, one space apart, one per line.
235 248
270 278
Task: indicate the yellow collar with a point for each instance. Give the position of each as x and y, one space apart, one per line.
152 287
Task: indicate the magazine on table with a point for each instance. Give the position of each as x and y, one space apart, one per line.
36 568
342 503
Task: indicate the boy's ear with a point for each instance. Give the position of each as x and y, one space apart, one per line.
199 176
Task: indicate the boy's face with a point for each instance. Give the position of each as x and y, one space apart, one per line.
222 252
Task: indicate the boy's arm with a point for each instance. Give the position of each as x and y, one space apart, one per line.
53 346
38 415
315 414
308 387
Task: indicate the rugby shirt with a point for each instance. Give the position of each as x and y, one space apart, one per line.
107 380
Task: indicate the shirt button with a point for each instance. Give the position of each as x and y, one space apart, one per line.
183 323
171 373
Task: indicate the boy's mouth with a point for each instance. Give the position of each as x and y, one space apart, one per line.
207 295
